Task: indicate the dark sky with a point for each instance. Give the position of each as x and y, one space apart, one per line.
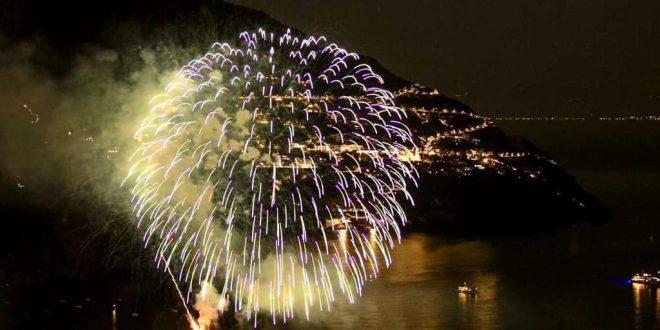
575 57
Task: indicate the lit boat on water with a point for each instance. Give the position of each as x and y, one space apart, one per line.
467 289
647 278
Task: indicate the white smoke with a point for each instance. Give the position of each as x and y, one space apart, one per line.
208 303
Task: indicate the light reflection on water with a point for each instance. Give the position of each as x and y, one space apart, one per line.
420 289
552 281
646 306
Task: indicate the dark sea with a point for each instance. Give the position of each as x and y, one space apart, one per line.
572 278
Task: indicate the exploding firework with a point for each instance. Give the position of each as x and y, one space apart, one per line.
274 169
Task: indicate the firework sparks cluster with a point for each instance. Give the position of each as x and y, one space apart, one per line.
274 169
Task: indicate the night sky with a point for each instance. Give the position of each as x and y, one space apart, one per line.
503 57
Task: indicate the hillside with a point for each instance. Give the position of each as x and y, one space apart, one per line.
474 178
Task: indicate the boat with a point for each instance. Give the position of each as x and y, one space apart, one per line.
647 278
467 289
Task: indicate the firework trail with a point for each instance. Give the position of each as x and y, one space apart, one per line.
273 168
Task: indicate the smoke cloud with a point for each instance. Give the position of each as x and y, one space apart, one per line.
207 304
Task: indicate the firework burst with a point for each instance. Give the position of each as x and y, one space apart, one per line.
273 168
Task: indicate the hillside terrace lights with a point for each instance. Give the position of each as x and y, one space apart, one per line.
416 89
350 218
410 156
